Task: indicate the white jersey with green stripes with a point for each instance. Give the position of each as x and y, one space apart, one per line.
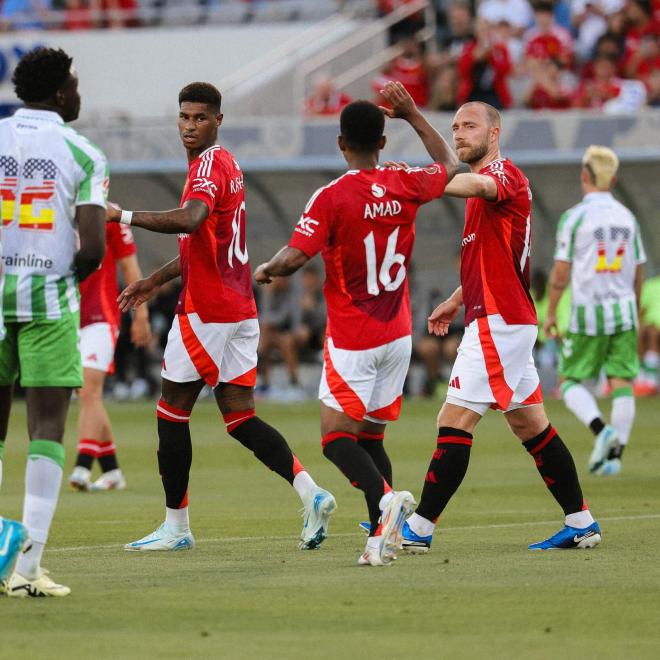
46 170
600 239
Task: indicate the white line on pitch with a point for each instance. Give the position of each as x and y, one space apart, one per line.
237 539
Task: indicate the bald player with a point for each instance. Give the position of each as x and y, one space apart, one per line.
494 368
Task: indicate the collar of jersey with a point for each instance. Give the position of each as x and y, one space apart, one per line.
43 115
598 194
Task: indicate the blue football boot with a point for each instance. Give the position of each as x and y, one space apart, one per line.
571 537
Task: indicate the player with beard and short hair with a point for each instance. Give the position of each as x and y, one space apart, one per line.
494 367
363 223
53 184
214 336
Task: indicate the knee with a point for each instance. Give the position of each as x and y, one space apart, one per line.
234 398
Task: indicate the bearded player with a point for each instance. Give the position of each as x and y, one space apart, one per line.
214 336
363 223
494 367
99 328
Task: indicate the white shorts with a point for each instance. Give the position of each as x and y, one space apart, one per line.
366 384
495 367
97 346
215 352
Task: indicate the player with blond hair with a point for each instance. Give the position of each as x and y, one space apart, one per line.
600 252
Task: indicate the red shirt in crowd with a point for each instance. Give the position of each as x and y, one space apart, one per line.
494 73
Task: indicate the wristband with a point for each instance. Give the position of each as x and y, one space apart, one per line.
126 217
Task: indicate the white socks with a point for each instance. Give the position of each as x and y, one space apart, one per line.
43 478
304 485
581 519
580 402
623 416
421 526
177 518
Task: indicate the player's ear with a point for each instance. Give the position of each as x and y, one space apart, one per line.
382 142
341 143
219 117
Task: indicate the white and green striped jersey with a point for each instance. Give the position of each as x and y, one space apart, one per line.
46 170
600 239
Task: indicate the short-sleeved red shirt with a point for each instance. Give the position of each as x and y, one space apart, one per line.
495 249
216 280
363 223
98 293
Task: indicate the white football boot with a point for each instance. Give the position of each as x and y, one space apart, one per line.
41 586
80 478
316 513
110 480
165 537
606 440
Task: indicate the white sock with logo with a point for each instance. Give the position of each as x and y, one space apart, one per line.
43 478
421 526
623 416
580 402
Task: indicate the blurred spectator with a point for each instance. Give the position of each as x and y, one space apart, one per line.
459 31
642 33
605 85
484 68
280 316
119 13
444 89
310 334
325 100
546 91
78 15
591 20
608 44
653 86
517 13
546 40
23 14
410 69
408 26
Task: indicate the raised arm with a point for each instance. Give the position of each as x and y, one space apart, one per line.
90 220
183 220
472 185
404 107
286 262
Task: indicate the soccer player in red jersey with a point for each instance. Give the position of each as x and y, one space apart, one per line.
99 328
215 333
363 223
494 367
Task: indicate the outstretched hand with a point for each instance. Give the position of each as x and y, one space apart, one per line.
260 275
112 212
398 97
442 316
137 293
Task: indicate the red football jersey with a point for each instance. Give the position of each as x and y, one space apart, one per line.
216 280
495 249
364 225
98 293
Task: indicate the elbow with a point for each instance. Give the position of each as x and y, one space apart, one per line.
452 168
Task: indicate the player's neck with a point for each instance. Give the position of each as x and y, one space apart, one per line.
493 154
360 161
43 106
194 153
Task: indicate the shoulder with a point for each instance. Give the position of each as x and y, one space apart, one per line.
325 193
570 217
80 146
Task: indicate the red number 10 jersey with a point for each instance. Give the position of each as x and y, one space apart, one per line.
364 225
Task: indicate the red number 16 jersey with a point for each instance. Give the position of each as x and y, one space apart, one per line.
364 225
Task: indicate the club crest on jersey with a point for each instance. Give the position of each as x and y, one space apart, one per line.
202 184
381 209
306 226
378 190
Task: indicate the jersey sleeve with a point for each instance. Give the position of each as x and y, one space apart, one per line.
569 223
208 182
94 178
427 182
312 231
121 241
507 184
640 254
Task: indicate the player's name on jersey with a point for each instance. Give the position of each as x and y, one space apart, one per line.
380 209
29 260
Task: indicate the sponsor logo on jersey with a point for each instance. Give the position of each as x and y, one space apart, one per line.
468 239
202 184
381 209
306 226
378 190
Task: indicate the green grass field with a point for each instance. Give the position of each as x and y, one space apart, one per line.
247 592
